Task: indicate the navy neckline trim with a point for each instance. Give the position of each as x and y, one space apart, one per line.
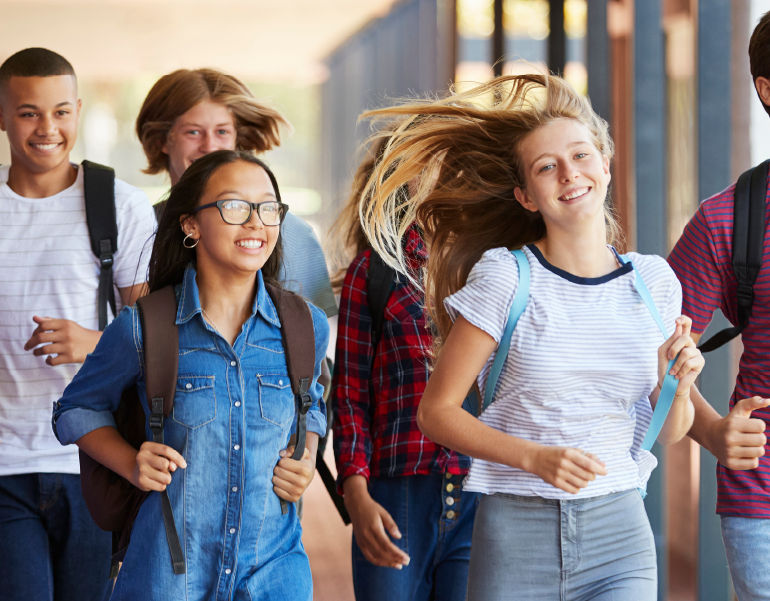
625 268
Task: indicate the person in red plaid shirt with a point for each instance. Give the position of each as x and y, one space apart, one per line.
412 522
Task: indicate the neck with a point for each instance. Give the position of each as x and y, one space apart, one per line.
226 299
41 185
585 255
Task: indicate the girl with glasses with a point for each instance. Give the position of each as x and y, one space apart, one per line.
523 163
225 464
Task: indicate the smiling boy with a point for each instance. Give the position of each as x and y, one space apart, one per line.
49 547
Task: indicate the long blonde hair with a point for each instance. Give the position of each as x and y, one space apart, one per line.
463 151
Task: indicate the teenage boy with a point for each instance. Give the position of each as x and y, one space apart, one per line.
49 547
702 261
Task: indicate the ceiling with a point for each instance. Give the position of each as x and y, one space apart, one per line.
282 41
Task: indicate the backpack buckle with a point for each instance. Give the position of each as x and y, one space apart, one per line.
156 414
105 253
745 295
305 402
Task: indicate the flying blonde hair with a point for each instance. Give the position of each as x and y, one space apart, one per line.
463 152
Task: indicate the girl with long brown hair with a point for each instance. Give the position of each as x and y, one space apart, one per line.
523 163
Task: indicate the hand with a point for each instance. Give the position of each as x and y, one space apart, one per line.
372 525
689 360
291 476
64 340
738 440
155 463
566 468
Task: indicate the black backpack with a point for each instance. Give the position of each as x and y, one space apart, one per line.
113 501
99 192
748 246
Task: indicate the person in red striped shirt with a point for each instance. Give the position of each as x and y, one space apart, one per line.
702 261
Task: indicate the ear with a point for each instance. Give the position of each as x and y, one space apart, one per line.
2 119
762 84
189 225
606 167
78 107
524 200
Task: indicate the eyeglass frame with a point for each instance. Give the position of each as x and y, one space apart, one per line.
253 206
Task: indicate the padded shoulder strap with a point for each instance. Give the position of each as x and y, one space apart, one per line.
380 281
161 345
518 305
748 247
99 192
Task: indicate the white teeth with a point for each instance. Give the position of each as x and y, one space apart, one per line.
575 194
249 243
45 146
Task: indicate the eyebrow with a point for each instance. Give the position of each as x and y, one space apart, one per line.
239 194
195 124
34 106
571 144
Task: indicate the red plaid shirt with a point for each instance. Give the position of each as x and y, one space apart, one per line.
378 435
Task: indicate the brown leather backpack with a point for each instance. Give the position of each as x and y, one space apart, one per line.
112 500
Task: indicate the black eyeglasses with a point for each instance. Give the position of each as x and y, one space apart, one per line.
237 212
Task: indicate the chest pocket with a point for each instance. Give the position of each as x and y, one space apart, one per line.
195 402
276 400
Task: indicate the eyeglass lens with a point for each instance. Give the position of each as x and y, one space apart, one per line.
237 212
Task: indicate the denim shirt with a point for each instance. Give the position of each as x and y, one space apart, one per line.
233 413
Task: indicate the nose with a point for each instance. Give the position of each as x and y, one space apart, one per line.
45 125
254 221
207 144
568 171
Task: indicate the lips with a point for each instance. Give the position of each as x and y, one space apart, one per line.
573 194
250 243
45 147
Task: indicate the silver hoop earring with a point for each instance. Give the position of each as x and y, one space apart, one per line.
188 237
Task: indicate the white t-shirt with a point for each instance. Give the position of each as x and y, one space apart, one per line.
47 268
581 366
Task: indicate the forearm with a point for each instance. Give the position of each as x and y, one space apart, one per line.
679 418
705 417
455 428
106 446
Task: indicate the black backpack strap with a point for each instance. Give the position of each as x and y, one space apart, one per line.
157 312
299 346
380 282
99 192
748 247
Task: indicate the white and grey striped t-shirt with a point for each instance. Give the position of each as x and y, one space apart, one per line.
582 363
47 269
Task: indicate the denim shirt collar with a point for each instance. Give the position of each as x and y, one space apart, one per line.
190 304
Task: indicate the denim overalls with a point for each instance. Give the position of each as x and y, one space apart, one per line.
233 413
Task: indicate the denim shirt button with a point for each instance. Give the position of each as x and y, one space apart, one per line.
232 363
232 530
237 447
188 386
280 382
235 489
228 571
237 403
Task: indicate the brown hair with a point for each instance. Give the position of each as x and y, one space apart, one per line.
346 232
257 126
759 51
463 152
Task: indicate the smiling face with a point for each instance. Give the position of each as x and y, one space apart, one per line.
566 176
206 127
40 116
237 249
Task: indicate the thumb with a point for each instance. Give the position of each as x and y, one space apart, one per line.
744 407
389 524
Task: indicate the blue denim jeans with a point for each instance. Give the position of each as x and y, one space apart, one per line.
527 548
747 545
49 546
435 518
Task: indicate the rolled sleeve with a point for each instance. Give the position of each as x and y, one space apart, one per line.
94 394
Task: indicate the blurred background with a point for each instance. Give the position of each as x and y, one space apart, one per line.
670 76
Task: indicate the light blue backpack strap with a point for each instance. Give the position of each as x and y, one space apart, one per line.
517 308
670 383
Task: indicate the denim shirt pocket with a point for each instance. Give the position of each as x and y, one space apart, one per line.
195 402
276 399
